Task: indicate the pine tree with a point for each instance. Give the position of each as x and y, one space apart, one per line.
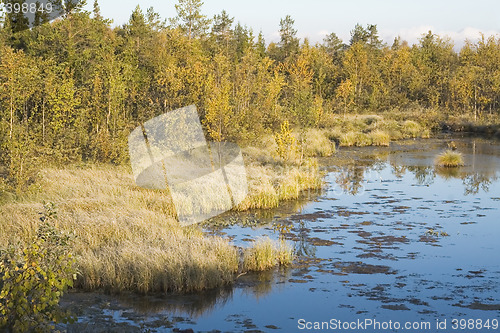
289 43
190 19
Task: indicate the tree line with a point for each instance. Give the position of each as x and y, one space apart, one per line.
73 89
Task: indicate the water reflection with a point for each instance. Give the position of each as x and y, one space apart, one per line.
477 175
302 245
131 309
350 178
476 182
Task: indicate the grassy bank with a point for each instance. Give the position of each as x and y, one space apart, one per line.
126 237
373 130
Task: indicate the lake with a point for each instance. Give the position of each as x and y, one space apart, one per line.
390 240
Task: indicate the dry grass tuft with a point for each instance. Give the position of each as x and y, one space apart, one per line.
380 138
411 129
265 254
348 139
314 142
271 184
449 159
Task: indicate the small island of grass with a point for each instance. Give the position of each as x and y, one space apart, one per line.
449 159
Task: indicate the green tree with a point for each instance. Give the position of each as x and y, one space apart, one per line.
334 46
345 92
359 35
289 43
33 278
190 19
222 30
218 113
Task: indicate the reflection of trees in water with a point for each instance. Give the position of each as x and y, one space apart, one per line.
351 174
474 182
350 179
398 170
302 246
424 175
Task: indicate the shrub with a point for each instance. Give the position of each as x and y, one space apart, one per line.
393 128
33 279
286 143
363 140
334 134
449 159
426 134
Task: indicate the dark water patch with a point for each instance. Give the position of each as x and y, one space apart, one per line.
396 307
359 267
480 306
322 242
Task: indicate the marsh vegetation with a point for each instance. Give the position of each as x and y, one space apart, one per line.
72 90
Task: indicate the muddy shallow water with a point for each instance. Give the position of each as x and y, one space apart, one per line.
391 238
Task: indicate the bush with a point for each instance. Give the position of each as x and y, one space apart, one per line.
363 140
33 278
286 143
411 129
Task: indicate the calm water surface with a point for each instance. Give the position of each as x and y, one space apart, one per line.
391 238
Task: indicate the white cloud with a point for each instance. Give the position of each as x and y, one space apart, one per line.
273 37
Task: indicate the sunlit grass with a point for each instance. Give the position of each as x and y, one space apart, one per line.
411 129
315 143
363 140
348 139
127 237
353 138
271 184
265 254
380 138
449 159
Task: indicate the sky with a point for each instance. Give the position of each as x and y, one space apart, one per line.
457 19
